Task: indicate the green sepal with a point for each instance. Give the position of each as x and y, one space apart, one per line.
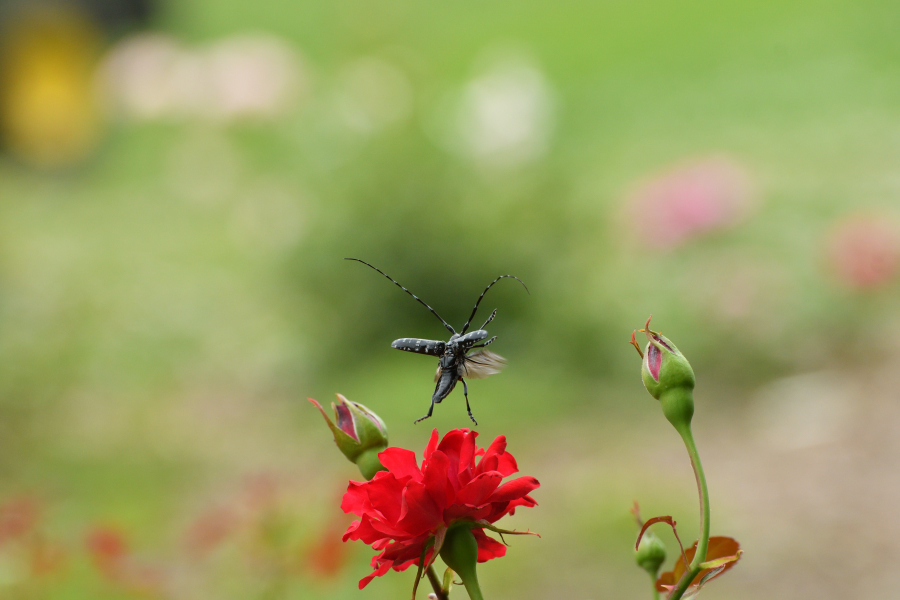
460 553
368 462
363 433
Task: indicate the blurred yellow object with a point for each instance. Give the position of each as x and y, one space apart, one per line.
48 110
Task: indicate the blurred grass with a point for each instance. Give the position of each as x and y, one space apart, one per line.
165 309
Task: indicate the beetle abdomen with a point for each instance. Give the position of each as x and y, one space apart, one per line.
445 385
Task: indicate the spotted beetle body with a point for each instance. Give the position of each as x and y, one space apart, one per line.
455 363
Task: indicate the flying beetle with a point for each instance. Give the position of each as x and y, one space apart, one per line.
455 361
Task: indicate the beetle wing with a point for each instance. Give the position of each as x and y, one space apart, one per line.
430 347
479 365
437 374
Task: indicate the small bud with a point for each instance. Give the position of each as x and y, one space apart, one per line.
668 377
651 554
358 432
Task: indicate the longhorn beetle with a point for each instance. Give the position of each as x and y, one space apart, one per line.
455 361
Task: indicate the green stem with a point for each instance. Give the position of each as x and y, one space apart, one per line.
460 553
703 542
436 584
653 585
472 587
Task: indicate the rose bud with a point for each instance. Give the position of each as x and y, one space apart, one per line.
668 377
358 432
651 554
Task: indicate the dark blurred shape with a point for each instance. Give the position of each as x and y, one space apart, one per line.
110 15
49 116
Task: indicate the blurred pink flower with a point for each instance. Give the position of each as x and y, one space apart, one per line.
112 556
864 252
210 530
153 76
690 200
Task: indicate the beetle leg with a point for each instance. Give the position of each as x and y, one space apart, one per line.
490 341
466 394
430 410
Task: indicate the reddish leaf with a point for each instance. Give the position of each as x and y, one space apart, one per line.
719 547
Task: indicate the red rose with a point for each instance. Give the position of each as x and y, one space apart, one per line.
405 508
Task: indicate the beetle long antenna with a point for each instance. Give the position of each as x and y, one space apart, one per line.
419 300
477 302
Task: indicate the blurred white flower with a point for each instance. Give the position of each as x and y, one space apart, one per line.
506 113
151 76
253 76
136 77
372 94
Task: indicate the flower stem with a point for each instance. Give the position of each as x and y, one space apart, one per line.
436 584
653 586
473 589
703 541
460 553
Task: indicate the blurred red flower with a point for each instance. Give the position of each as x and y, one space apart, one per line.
864 252
327 555
18 517
108 548
406 507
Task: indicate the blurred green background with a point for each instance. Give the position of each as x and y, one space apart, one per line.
180 183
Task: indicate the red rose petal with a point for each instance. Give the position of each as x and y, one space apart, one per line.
452 442
356 499
363 530
654 361
384 497
401 509
381 570
467 457
431 446
512 490
506 464
435 479
420 513
488 547
477 491
401 463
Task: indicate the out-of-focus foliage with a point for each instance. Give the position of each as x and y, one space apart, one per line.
171 291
